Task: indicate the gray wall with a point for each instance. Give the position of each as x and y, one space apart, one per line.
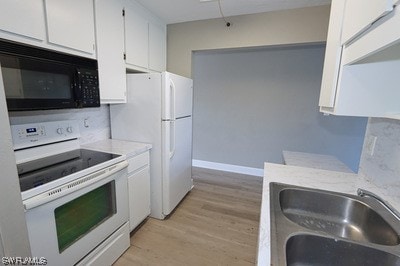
250 105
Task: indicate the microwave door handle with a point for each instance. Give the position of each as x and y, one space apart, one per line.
77 87
2 88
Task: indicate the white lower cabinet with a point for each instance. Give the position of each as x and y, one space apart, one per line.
139 189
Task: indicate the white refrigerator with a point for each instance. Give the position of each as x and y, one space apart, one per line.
159 111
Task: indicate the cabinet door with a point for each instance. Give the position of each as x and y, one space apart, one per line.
139 197
380 43
360 14
70 24
333 55
23 17
157 47
110 51
136 38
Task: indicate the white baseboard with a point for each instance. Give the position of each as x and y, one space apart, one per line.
228 168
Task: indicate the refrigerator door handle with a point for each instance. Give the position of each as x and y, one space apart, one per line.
172 139
173 99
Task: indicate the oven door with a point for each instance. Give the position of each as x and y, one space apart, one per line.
66 223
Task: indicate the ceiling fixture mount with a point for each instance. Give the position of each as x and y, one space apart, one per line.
227 23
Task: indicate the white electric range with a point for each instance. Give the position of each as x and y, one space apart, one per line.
75 200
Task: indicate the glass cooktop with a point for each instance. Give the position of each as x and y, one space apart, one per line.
38 172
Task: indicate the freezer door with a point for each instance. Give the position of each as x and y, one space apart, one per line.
177 96
177 161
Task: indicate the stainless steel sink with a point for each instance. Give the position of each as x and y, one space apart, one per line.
337 215
315 227
317 250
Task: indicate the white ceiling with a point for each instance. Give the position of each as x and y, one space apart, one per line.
174 11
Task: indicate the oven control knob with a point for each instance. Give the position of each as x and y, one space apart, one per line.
70 129
60 131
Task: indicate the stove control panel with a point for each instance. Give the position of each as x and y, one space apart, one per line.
36 134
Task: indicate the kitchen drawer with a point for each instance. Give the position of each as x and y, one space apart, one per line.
137 162
110 250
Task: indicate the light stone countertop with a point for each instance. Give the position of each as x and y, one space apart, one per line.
312 178
128 148
311 160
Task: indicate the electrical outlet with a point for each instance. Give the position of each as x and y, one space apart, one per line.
370 145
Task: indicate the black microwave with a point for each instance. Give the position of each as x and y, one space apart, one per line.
38 79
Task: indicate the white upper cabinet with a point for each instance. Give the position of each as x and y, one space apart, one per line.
123 31
157 47
70 24
110 51
25 18
380 42
63 25
136 37
359 15
145 39
333 55
362 60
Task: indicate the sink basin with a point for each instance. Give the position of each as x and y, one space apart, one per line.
336 215
317 250
317 227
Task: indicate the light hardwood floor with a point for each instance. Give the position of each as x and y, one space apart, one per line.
216 224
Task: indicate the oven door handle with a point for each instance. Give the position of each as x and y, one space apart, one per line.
73 186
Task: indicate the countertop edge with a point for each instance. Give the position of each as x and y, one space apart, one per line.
312 160
122 147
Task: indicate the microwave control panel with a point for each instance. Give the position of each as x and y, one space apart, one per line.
89 88
36 134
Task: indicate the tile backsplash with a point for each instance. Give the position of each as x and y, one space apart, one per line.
94 123
382 167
